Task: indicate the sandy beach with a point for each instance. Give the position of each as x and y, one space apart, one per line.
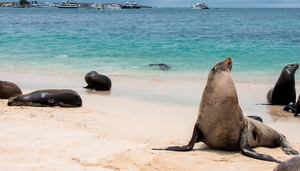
116 130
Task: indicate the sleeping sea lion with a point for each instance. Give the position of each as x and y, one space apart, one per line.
97 81
222 125
294 107
42 98
8 89
284 90
161 66
292 164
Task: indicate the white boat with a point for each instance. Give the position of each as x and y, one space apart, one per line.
199 5
46 5
112 7
68 4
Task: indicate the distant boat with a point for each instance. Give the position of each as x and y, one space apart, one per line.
199 5
68 4
112 7
46 5
131 5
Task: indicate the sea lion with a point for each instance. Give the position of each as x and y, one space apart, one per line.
162 66
292 164
284 90
97 81
294 107
256 118
42 98
8 89
222 125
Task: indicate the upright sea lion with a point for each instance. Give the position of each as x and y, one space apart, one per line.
161 66
292 164
222 125
97 81
42 98
284 90
8 89
294 107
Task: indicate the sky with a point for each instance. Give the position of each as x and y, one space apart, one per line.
187 3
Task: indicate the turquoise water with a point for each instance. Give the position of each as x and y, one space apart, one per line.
123 43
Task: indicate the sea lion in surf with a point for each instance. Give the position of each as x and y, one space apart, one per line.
284 90
97 81
43 98
222 125
8 89
292 164
294 107
162 66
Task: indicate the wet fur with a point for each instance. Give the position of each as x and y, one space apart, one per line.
43 98
284 90
97 81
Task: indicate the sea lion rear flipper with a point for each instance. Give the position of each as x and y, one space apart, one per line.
196 137
287 148
87 86
248 151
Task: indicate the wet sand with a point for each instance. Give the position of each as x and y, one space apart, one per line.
115 130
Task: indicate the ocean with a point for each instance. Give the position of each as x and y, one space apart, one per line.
123 43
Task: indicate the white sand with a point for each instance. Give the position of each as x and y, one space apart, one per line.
116 130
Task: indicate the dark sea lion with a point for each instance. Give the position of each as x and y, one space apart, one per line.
222 125
256 118
161 66
284 90
292 164
294 107
97 81
8 89
42 98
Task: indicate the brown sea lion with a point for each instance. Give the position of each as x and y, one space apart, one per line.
42 98
292 164
222 125
8 89
284 90
97 81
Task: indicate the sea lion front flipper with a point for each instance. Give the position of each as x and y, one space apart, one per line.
248 151
286 147
196 137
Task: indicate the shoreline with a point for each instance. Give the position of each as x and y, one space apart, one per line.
116 130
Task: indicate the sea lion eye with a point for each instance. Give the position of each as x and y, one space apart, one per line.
229 63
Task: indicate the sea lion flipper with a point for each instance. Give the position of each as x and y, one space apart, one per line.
248 151
287 148
196 137
87 86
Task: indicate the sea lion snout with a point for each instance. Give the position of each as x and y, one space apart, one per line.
296 66
11 100
223 66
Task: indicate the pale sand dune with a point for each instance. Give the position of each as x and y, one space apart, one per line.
116 130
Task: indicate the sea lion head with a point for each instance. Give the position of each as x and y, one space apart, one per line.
291 68
12 99
226 65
